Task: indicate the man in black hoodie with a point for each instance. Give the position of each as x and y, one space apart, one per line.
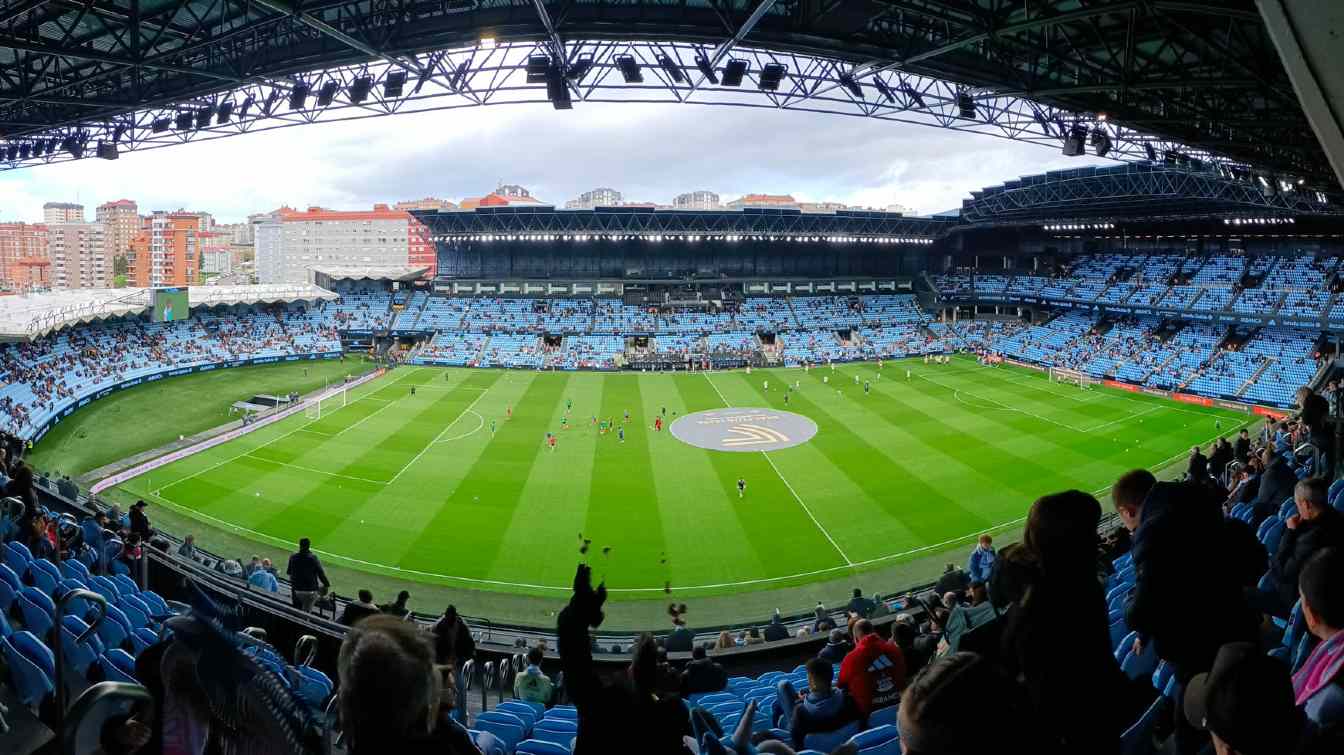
306 577
702 674
625 712
1315 527
1276 484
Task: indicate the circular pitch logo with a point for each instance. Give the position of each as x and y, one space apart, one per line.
746 429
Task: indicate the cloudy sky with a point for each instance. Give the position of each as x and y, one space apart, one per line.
648 152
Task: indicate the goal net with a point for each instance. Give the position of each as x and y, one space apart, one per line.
317 407
1072 377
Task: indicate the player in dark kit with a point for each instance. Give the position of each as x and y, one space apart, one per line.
741 487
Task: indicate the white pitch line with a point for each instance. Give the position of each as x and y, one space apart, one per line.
796 497
437 438
315 471
368 417
1125 418
480 422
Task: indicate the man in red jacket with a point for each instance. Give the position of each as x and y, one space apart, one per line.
873 673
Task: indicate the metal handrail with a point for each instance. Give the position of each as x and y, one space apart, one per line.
129 696
58 651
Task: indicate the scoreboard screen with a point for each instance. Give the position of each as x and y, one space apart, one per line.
171 304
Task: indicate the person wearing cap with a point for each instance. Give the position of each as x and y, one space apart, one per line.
1318 686
1245 703
836 648
776 630
140 522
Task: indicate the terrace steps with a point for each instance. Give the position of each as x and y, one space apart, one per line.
1255 376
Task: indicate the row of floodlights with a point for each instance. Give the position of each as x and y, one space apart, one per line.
1081 227
1259 221
658 237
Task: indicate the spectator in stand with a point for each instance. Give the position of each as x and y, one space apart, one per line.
358 610
263 577
725 641
1315 527
1276 484
823 621
391 695
963 618
398 607
874 671
880 608
20 486
1072 676
530 684
981 562
186 550
860 605
753 637
251 566
702 674
934 709
1245 702
836 648
614 715
67 488
1242 450
453 647
826 714
1220 458
1180 531
681 638
1319 684
38 538
1198 467
954 580
306 577
776 630
140 522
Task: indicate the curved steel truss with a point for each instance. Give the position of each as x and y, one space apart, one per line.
1199 73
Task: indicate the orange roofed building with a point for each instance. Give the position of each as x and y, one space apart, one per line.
167 250
23 255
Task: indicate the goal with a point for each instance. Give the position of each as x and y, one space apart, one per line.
328 403
1073 377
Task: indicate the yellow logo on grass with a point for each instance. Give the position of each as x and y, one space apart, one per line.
753 435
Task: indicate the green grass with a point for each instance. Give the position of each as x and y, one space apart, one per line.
395 488
153 414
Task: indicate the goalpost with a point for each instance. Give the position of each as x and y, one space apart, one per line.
332 402
1072 377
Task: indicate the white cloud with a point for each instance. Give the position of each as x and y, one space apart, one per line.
649 152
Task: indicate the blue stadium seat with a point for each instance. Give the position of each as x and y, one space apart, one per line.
39 613
488 743
32 667
10 585
44 574
125 585
1118 632
508 728
540 747
17 557
884 716
1138 738
312 685
1287 509
74 569
522 710
118 666
141 639
80 655
880 740
136 610
104 587
76 606
1163 674
561 731
1273 535
115 628
1140 665
567 712
832 739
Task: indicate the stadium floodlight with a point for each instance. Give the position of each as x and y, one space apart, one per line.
247 105
914 96
51 146
161 125
24 150
327 93
12 152
1075 141
225 112
884 90
853 86
1101 142
579 68
1152 153
671 68
298 96
706 70
37 149
359 89
183 121
734 71
118 132
107 151
965 105
204 115
536 69
772 74
393 84
629 68
268 107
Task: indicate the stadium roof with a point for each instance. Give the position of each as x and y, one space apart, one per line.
137 74
29 316
372 272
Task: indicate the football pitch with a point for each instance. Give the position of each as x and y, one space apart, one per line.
454 483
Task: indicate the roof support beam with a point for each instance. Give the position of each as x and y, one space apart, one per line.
313 22
742 31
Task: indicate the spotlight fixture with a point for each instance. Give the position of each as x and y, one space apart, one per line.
203 116
853 86
965 105
1101 142
772 74
118 132
1152 153
557 89
537 68
671 68
394 84
298 96
579 68
161 125
327 93
107 151
629 68
183 121
225 112
247 105
1075 141
360 88
706 70
884 90
733 72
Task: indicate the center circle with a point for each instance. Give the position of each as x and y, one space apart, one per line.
743 429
